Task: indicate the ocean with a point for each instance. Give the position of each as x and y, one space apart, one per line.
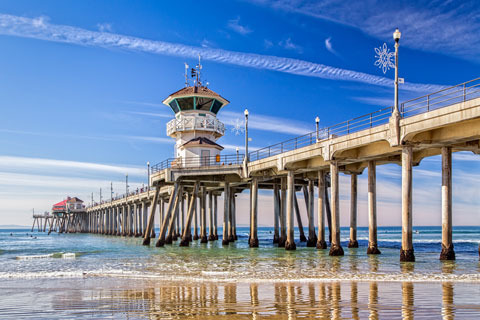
88 276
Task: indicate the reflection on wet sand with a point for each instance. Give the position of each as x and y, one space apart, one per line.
324 300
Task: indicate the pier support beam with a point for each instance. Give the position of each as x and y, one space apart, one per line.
372 209
151 218
309 194
253 239
187 233
276 213
203 212
353 243
283 212
406 253
215 216
172 206
231 237
211 236
336 248
321 243
299 218
290 243
195 220
447 244
226 212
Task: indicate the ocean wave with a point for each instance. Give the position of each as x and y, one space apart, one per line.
63 255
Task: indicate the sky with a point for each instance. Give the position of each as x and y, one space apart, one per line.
82 85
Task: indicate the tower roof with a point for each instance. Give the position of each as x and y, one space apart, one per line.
195 98
202 141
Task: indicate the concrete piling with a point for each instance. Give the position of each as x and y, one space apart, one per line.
310 199
299 218
253 239
336 248
226 212
203 212
353 243
283 212
276 213
448 252
290 242
211 235
407 252
321 243
372 209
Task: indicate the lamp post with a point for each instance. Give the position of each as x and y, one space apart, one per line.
246 134
148 175
126 185
111 191
396 36
237 149
100 195
317 121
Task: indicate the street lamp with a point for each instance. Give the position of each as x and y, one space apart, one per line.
126 185
246 134
396 36
317 121
237 149
148 175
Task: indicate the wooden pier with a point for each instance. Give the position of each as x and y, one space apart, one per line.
187 189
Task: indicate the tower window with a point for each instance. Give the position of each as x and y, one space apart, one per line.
174 106
204 103
216 106
185 103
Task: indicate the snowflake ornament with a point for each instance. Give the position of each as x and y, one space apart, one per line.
385 58
238 127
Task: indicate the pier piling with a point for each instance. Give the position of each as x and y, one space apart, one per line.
151 220
226 213
283 212
299 218
276 212
336 248
290 243
253 239
321 243
372 209
310 199
448 252
407 253
353 243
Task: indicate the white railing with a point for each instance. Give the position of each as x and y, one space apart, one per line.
195 122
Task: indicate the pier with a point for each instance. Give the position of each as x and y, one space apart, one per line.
183 192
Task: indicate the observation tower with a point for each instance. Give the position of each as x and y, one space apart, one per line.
195 127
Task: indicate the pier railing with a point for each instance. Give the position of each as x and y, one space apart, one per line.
443 98
198 162
448 96
350 126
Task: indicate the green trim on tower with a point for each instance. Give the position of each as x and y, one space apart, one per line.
178 106
194 103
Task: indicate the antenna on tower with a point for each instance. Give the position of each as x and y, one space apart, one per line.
186 74
199 70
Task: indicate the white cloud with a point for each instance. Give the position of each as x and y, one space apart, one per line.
448 27
328 45
267 44
104 27
25 27
22 163
268 123
235 25
289 45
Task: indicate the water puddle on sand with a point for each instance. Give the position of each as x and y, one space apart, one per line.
140 299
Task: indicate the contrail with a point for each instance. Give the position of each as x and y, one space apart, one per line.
39 28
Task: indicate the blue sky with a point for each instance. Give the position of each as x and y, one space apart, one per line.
81 86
